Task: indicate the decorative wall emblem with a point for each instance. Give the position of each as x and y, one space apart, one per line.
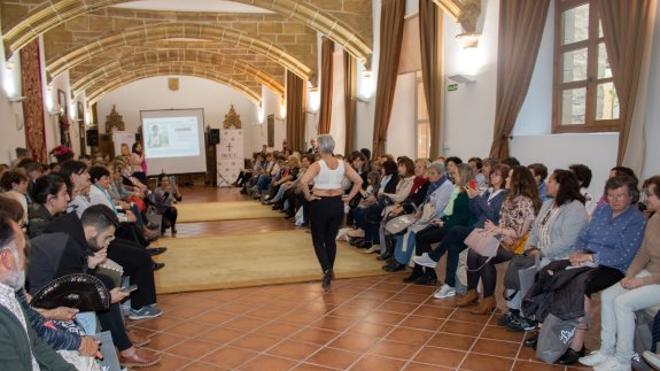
232 119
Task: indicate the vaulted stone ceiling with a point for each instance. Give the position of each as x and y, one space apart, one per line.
100 42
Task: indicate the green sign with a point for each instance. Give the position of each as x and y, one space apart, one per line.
452 87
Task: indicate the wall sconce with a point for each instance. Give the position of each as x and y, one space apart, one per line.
365 85
260 114
314 100
282 113
468 39
9 65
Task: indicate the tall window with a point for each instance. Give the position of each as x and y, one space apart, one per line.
584 98
423 126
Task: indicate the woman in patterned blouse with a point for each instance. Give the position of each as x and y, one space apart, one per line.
516 217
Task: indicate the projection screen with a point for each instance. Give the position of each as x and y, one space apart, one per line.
174 141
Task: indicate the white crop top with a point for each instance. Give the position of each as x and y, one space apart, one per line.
328 178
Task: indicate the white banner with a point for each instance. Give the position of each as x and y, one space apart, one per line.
230 156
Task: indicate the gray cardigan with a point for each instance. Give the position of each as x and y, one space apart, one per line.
565 228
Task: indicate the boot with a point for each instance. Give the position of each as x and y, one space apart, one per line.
468 299
428 279
416 273
486 306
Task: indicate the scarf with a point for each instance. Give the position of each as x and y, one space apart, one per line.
433 186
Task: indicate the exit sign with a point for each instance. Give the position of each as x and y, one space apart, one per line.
452 87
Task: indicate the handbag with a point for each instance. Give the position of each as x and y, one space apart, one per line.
428 213
482 242
398 224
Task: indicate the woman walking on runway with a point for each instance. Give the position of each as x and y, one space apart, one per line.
327 202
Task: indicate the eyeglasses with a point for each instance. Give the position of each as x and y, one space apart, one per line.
618 197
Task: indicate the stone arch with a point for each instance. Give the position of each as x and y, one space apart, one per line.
178 30
95 92
190 57
54 12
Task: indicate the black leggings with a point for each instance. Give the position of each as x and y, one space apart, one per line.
480 267
325 218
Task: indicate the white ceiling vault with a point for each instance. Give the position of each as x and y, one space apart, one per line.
215 6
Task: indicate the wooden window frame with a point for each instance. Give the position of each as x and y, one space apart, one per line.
591 125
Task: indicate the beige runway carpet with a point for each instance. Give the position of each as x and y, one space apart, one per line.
212 211
219 262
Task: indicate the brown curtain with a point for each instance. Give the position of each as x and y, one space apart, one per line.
33 104
350 100
520 30
296 96
325 116
431 48
391 35
625 25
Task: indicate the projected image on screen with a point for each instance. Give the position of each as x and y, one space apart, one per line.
174 141
171 137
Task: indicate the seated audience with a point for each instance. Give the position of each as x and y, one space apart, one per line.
49 199
457 213
451 163
483 208
164 198
516 216
540 173
20 347
608 245
638 290
15 185
477 166
583 175
554 232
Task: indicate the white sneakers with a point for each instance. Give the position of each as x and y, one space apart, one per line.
603 362
445 291
425 260
594 358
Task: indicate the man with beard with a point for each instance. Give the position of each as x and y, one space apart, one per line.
20 348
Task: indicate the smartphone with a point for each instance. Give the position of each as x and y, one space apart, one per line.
472 184
129 289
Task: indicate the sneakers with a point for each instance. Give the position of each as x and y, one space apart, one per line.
594 358
425 261
652 359
612 364
505 319
443 292
520 324
145 312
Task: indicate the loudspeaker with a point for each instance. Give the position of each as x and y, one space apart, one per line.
92 136
214 136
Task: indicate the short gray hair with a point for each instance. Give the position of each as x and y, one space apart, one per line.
438 166
326 143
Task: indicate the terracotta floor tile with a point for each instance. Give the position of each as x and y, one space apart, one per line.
189 328
255 342
354 342
410 298
186 312
279 329
168 363
451 341
192 349
423 323
372 362
201 366
237 308
377 295
395 349
158 324
496 348
229 357
372 329
215 317
270 363
433 311
310 367
440 357
384 318
162 341
409 336
331 357
387 286
398 307
315 335
246 323
294 349
221 335
486 363
501 333
350 311
465 316
462 328
527 354
424 367
535 366
334 323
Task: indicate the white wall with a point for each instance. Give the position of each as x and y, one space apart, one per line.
401 131
11 114
153 93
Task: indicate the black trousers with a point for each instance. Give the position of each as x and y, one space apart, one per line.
452 244
112 319
138 265
325 218
480 267
130 231
169 218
